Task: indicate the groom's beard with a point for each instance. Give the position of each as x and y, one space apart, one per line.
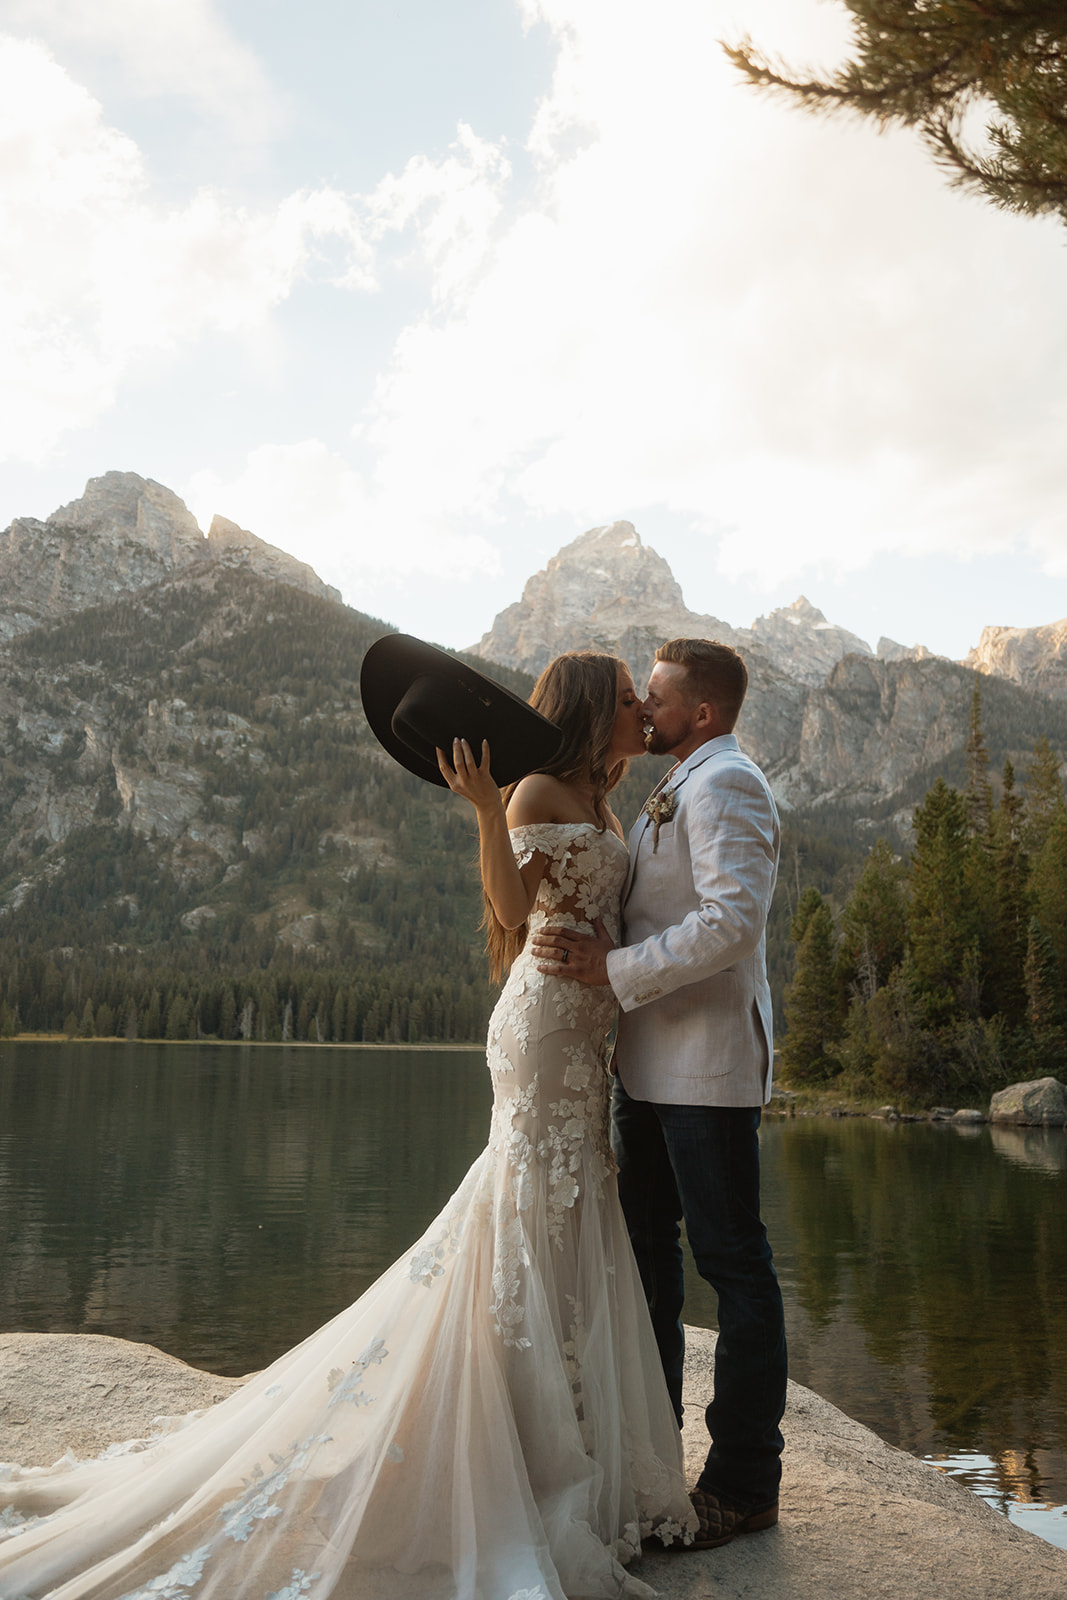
656 744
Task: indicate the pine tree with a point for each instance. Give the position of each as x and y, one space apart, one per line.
1012 809
906 1060
1006 949
929 65
873 924
1044 795
153 1022
178 1018
227 1012
1044 1000
980 882
813 1009
269 1027
979 788
1048 890
940 916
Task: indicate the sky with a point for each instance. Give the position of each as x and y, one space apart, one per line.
420 292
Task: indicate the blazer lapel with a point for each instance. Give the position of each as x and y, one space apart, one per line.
640 828
674 779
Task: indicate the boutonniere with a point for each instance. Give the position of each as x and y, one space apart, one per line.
661 808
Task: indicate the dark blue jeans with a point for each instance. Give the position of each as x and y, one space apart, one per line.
701 1163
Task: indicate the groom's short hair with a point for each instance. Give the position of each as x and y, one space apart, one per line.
714 672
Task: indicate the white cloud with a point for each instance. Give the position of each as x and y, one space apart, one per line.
785 332
401 514
181 48
96 276
451 205
790 329
311 501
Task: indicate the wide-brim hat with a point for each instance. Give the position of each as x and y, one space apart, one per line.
416 698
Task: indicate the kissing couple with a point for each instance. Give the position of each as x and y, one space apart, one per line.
497 1418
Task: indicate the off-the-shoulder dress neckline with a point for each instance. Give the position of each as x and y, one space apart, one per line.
524 827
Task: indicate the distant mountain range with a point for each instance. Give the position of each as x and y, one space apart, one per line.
607 590
829 720
188 785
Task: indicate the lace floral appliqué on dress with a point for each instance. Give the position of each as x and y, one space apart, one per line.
488 1422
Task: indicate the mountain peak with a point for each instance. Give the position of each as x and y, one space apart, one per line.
122 534
606 590
600 592
799 639
615 536
124 505
803 610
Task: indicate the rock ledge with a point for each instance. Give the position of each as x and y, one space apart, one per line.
859 1518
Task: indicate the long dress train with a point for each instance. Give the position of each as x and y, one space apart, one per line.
487 1422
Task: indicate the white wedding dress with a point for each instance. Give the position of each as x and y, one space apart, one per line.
487 1422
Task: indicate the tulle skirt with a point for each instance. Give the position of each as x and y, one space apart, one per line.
487 1422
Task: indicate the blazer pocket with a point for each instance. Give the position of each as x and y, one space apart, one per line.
720 1039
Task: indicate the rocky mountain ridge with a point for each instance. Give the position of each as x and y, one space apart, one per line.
603 587
829 721
1035 658
195 817
124 533
607 590
188 786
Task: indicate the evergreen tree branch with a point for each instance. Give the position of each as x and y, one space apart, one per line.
931 66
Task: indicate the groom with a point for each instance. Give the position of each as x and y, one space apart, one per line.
693 1062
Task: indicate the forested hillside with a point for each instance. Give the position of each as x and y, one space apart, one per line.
942 975
199 836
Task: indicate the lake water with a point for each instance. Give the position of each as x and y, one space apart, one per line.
222 1201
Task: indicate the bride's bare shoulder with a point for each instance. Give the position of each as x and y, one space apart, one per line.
541 798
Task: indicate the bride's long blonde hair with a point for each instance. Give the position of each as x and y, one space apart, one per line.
579 692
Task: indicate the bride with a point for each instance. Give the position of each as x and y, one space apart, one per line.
489 1421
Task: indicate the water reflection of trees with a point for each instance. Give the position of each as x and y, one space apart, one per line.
945 1253
222 1202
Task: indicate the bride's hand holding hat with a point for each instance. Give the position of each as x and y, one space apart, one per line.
468 776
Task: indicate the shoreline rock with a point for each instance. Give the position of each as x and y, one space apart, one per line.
1040 1103
859 1517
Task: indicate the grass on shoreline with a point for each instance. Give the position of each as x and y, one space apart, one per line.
829 1101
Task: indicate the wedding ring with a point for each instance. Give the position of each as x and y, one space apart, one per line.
564 956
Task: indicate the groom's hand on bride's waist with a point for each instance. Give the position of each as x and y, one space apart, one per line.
566 953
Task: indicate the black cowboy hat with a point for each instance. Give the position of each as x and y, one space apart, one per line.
417 698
